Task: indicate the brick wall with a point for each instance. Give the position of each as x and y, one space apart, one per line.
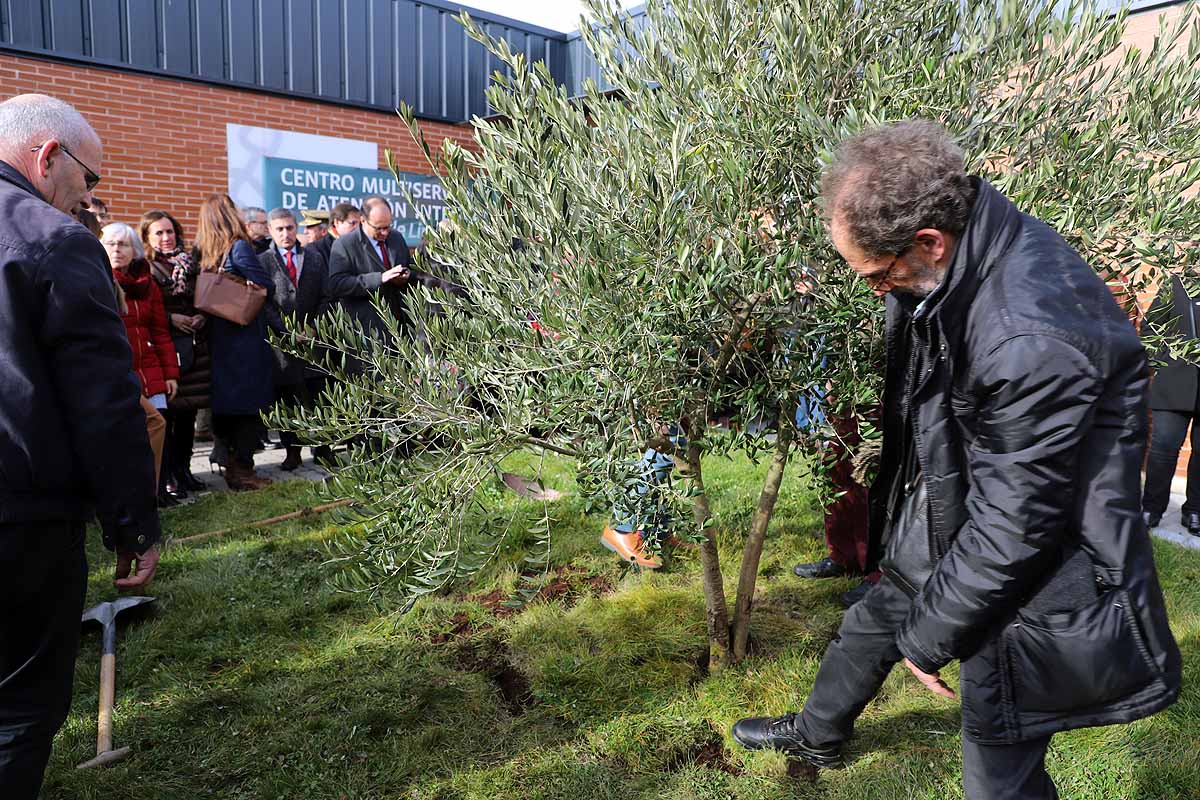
164 139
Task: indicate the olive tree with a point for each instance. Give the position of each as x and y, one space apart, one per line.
640 258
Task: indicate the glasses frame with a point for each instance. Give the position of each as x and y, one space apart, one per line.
878 278
91 178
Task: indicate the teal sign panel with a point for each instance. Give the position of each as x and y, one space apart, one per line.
306 185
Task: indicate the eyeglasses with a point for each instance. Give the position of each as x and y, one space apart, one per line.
880 277
91 178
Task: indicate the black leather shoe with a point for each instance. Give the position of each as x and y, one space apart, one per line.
187 480
165 500
857 593
1191 521
779 733
1152 519
825 568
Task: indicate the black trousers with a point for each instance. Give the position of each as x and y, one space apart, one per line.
45 580
181 441
854 668
240 433
298 395
1166 439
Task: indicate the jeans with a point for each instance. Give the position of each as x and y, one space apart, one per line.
853 669
1166 438
42 597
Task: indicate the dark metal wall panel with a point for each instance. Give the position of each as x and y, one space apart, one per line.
66 27
104 22
175 32
329 48
355 38
272 44
368 53
242 40
406 53
212 51
381 53
429 68
26 25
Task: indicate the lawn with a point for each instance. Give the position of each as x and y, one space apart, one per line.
253 679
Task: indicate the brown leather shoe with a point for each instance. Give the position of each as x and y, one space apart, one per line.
258 481
237 478
629 547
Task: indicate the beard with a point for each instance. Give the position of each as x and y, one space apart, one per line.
922 280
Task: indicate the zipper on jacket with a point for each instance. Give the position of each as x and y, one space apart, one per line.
936 549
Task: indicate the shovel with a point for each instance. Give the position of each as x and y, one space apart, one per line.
106 615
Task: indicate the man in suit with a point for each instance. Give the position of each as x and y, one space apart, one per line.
373 260
301 280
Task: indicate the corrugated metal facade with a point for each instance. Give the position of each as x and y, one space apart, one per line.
370 53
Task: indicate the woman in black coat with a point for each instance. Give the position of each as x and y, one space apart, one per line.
174 270
1173 401
242 359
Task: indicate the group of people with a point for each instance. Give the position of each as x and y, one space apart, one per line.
187 361
108 351
1006 521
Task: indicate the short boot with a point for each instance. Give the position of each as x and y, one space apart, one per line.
237 477
258 481
628 546
779 733
293 458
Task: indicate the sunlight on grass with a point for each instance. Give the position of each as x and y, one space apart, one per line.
253 679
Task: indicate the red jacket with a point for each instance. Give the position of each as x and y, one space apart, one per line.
154 358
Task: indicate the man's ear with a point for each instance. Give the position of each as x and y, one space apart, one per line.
931 242
45 155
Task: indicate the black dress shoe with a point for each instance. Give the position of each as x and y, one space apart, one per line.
187 480
165 500
1152 519
1191 521
825 568
779 733
857 593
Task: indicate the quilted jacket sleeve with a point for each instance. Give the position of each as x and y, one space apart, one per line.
1038 395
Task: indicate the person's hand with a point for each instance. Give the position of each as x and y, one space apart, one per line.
172 387
183 322
399 275
147 562
932 682
198 322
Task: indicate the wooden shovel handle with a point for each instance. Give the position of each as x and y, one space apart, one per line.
108 689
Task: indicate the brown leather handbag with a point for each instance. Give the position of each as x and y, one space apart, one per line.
229 296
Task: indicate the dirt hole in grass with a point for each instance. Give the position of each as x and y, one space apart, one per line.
491 660
708 753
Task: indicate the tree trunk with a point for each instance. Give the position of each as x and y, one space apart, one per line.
752 553
719 655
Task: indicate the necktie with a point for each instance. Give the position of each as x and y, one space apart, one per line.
383 254
291 268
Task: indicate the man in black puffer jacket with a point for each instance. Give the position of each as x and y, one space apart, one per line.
1007 508
73 441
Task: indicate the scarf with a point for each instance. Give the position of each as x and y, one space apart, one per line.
175 272
134 280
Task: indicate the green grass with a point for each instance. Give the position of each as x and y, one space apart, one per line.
252 679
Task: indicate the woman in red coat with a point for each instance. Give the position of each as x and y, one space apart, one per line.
154 358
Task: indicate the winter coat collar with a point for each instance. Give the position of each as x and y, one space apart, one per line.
993 225
9 173
134 279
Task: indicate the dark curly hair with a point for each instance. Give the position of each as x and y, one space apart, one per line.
890 182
